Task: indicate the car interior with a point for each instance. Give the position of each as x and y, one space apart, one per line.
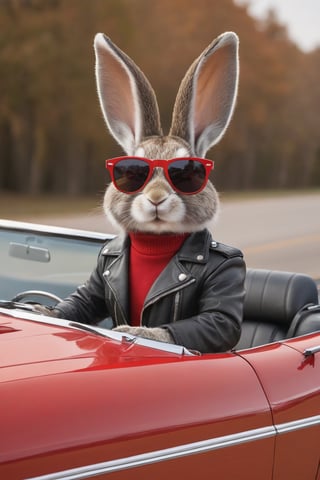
278 305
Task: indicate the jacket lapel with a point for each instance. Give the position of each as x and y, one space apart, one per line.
176 276
116 273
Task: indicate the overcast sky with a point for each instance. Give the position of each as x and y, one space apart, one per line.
302 18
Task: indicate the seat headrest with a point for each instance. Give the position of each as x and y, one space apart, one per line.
307 322
275 296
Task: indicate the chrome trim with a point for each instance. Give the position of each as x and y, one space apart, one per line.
298 424
160 455
311 351
179 451
54 230
111 334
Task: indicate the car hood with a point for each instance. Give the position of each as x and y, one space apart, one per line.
32 345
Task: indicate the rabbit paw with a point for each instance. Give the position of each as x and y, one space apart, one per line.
159 334
49 312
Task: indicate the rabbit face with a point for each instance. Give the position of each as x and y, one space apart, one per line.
158 208
201 114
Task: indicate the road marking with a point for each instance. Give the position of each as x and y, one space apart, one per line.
281 244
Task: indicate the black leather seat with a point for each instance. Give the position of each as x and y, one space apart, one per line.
278 305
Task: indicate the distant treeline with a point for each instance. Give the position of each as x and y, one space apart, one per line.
52 135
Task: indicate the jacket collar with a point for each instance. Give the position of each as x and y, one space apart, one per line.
116 246
195 248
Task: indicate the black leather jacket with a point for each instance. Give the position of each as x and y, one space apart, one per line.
198 297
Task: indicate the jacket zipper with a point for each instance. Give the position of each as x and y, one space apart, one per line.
115 303
168 292
176 306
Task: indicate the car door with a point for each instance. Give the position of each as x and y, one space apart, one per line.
291 380
132 415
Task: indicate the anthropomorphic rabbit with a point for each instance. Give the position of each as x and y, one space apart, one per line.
164 277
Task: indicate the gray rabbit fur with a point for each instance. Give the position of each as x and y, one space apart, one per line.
202 112
203 109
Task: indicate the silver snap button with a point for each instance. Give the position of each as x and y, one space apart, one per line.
200 257
214 244
107 272
182 277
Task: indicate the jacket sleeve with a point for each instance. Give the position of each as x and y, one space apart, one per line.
87 303
217 326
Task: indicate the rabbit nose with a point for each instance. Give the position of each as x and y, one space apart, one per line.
156 203
157 197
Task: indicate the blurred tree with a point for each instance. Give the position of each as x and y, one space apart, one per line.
52 136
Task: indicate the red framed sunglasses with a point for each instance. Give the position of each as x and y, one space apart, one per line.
185 175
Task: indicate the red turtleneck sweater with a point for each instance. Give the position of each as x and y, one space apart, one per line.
149 255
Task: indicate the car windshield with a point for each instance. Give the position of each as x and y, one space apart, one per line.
32 259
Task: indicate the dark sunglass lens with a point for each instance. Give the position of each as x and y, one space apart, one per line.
188 176
130 174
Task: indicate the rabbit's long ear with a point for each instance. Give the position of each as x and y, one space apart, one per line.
207 94
126 97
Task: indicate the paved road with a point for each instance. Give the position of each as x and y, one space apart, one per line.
277 233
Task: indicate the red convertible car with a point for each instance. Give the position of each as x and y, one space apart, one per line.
81 402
